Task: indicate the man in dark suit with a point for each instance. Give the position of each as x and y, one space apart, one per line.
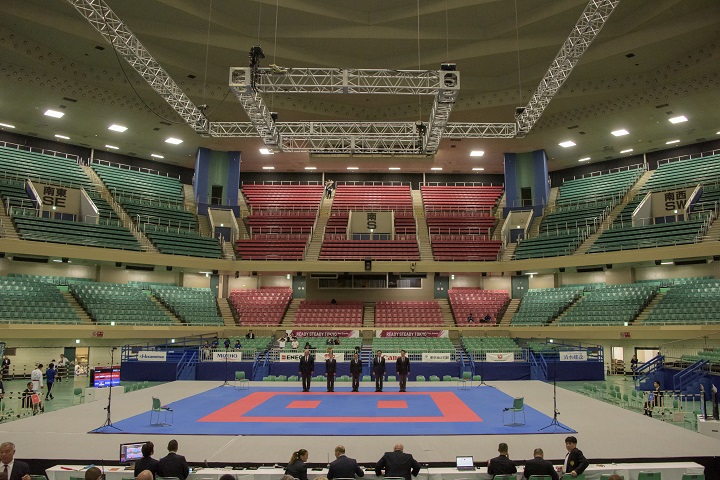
172 464
307 368
398 464
14 469
501 465
355 371
147 462
539 466
330 371
378 369
402 364
344 467
575 462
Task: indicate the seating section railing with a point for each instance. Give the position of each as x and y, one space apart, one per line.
610 305
460 221
119 304
24 300
480 303
262 307
314 313
193 306
684 172
416 313
597 187
178 241
250 348
542 305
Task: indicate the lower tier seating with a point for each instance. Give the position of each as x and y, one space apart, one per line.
464 248
610 305
408 314
272 247
262 307
182 242
193 306
335 247
120 304
326 314
484 305
23 300
648 236
540 306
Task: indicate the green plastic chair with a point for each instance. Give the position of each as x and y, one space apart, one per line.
517 408
447 378
391 378
79 394
420 378
693 476
465 380
434 378
649 476
366 378
157 410
240 378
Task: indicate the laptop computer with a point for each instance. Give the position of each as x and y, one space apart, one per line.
464 463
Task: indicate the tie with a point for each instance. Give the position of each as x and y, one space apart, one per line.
7 474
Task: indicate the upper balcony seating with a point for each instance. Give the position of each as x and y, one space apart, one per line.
390 345
687 304
654 235
554 244
282 208
687 172
24 300
336 247
56 169
480 303
610 305
53 279
598 187
460 221
120 304
312 313
134 184
261 307
540 306
272 247
182 242
193 306
408 314
30 227
372 198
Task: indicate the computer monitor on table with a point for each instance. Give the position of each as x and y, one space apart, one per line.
131 452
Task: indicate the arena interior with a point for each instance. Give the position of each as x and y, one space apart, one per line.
523 196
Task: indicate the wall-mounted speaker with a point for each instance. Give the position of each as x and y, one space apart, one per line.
215 272
608 266
484 274
561 269
518 272
65 260
658 262
118 264
168 268
368 265
237 274
716 258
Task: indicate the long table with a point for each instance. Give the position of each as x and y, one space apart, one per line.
629 471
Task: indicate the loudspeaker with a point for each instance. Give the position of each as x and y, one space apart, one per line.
608 266
215 272
562 269
2 254
658 262
518 272
368 265
716 258
237 274
484 274
168 268
118 264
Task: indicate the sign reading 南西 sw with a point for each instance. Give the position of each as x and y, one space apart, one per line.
579 356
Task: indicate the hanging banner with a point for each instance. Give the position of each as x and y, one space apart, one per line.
412 334
151 356
231 356
577 356
499 357
324 333
436 357
290 356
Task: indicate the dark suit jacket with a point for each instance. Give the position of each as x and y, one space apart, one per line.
307 367
19 470
403 367
500 465
297 470
330 366
379 365
344 467
355 367
576 461
398 464
173 465
146 463
539 466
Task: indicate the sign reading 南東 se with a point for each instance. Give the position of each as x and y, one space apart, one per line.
579 356
151 356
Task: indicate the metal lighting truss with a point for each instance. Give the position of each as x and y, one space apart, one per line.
129 47
584 32
248 83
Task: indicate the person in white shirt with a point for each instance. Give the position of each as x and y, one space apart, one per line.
36 376
281 343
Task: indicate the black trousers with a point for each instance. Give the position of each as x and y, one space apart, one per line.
306 377
331 382
356 382
403 381
379 382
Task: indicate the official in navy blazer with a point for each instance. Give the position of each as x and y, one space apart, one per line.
575 462
378 369
330 370
172 464
539 466
344 467
307 368
15 469
398 464
402 365
355 371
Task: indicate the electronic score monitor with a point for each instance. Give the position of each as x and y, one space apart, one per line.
106 376
131 452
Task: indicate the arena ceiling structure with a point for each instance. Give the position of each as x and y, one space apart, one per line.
638 65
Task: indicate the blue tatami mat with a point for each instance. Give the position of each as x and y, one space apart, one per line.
286 411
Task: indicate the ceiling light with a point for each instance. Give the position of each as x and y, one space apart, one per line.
155 155
477 153
626 151
117 128
680 119
620 133
436 168
174 141
584 159
268 168
64 137
478 169
567 143
54 113
7 125
393 168
112 147
77 340
666 262
310 168
672 141
266 151
352 168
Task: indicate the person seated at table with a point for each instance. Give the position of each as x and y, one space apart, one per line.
147 462
93 473
575 462
539 466
27 400
501 465
297 466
